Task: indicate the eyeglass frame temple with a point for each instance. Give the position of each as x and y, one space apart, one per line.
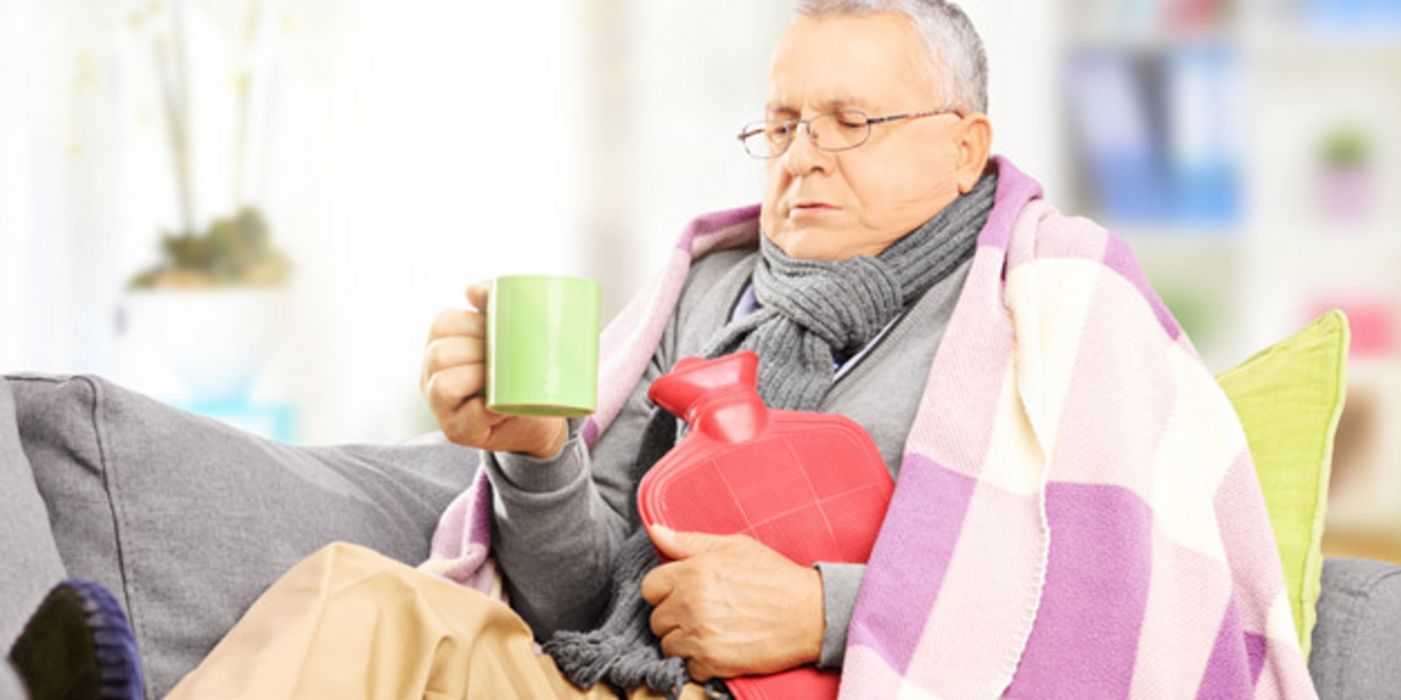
746 133
911 115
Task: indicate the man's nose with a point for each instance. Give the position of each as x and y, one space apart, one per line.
803 156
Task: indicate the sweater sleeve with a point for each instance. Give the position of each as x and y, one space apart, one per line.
840 583
559 521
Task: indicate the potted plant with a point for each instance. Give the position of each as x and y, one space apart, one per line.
210 311
213 306
1345 181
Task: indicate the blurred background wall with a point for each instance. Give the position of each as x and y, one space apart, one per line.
372 157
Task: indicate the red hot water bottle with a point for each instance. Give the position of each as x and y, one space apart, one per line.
811 486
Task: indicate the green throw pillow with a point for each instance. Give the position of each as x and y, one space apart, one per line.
1289 398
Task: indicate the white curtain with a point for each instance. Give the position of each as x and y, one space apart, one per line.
400 149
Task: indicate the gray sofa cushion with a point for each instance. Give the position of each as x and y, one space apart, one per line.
188 520
1357 642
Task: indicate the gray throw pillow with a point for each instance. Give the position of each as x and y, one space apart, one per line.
29 561
188 520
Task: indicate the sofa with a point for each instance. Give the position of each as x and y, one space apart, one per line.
187 520
1357 641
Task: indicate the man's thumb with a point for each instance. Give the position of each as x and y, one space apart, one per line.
477 294
681 545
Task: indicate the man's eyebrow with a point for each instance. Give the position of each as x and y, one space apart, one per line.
828 104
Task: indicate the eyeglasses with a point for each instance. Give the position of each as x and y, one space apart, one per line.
840 130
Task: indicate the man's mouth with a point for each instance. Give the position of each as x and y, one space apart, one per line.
810 206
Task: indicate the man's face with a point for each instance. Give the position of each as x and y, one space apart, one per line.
832 206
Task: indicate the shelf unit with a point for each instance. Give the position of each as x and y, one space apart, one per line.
1244 281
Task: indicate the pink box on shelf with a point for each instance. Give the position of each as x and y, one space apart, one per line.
1372 322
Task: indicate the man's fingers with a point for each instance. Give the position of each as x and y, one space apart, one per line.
663 620
475 411
451 322
680 644
464 427
700 670
450 351
477 294
657 584
447 389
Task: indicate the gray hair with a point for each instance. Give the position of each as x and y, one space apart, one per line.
948 34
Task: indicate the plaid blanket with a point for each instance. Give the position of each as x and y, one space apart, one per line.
1077 514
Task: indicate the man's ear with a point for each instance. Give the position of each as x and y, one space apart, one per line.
973 139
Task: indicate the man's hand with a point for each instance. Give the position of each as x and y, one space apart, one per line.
453 376
731 606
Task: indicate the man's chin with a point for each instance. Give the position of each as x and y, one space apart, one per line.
809 242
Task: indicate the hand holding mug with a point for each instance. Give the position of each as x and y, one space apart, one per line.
504 375
454 378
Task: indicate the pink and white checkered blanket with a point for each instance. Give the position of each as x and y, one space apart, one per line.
1077 514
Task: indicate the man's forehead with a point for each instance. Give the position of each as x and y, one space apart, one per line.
842 60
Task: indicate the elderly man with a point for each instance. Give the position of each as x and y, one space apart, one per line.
889 248
875 146
876 154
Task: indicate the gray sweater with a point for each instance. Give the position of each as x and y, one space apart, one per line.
559 521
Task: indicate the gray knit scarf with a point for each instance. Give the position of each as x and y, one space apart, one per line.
812 313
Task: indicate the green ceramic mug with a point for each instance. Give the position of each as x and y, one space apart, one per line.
542 345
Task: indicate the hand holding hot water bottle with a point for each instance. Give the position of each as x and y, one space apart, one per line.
811 486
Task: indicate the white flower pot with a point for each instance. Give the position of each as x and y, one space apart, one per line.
212 342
